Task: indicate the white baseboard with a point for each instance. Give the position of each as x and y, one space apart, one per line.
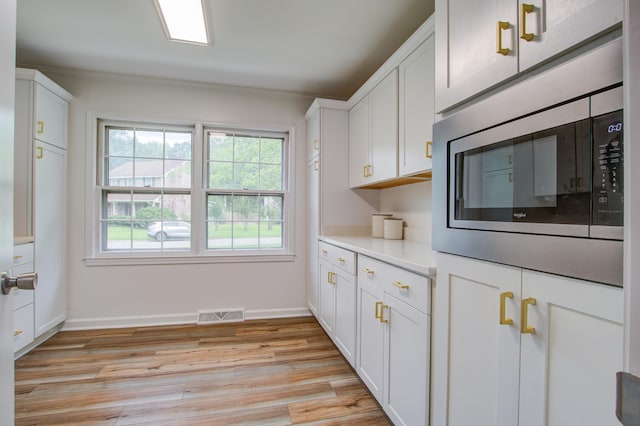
173 319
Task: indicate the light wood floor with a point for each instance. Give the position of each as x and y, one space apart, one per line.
272 372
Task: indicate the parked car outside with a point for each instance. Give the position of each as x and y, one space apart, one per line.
169 229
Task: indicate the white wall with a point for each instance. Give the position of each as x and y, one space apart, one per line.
413 204
122 295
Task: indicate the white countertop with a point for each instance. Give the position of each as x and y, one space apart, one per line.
410 255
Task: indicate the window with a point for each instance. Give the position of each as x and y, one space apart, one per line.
172 190
245 194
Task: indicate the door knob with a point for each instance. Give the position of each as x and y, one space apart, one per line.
27 281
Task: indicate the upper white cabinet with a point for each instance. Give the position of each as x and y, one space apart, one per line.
416 109
373 134
517 347
40 175
481 45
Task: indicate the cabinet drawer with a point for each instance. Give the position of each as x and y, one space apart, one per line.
337 256
409 287
23 327
22 254
21 298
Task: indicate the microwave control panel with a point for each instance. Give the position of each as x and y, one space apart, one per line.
608 184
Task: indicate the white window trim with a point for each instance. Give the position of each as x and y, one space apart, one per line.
198 254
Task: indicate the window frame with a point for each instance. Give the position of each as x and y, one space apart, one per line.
198 253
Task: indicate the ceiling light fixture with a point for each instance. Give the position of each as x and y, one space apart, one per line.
183 20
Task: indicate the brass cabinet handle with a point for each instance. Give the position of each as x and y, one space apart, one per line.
510 177
40 129
524 10
17 333
40 152
382 319
524 327
400 285
324 251
378 310
330 277
17 257
503 302
502 25
364 171
341 259
369 271
369 170
316 145
315 165
428 149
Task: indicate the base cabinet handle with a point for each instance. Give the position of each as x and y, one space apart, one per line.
503 308
524 318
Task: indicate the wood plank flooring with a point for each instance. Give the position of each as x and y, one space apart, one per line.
269 372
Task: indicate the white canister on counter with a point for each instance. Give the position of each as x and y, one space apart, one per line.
393 228
377 224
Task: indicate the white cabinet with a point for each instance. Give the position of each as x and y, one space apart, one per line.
337 300
332 207
416 109
516 347
40 196
373 134
22 299
481 46
393 339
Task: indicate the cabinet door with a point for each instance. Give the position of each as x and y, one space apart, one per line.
50 117
384 128
327 302
406 372
466 48
345 324
359 143
557 25
416 109
49 231
476 359
369 364
313 210
569 363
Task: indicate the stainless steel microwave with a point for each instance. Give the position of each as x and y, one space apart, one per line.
557 172
531 175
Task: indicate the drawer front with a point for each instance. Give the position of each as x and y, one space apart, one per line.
21 298
23 254
406 286
23 327
337 256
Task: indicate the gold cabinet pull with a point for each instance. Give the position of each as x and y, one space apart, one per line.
501 26
400 285
524 326
364 171
315 165
503 308
367 170
17 333
382 318
17 257
368 271
40 152
428 149
331 277
378 310
341 259
324 251
316 144
40 129
524 10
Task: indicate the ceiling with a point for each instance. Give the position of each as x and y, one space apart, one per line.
325 48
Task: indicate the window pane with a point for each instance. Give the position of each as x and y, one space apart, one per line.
148 173
220 175
220 147
271 235
149 143
271 151
271 177
271 208
177 174
247 149
178 145
119 142
245 235
245 176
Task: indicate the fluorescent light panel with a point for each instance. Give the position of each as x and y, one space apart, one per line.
184 20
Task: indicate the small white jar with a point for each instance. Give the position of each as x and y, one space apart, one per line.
393 228
377 224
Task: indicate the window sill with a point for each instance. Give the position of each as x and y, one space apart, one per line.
138 260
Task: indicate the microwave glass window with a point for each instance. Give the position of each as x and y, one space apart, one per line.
541 177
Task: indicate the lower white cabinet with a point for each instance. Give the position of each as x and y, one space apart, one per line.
393 339
517 347
337 297
23 314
